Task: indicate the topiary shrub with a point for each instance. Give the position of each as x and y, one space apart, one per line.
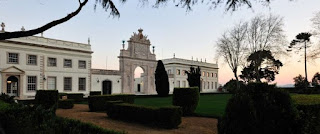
259 108
65 104
77 97
98 102
47 98
95 93
187 98
231 86
165 117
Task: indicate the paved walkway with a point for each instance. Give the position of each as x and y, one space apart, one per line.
189 125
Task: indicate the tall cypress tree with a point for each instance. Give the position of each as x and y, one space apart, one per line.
161 80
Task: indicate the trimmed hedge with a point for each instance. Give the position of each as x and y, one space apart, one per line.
309 113
110 103
70 126
47 98
98 102
165 117
95 93
187 98
15 119
65 104
77 97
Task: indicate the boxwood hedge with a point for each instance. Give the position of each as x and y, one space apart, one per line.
187 98
77 97
99 102
47 98
165 117
95 93
65 104
19 119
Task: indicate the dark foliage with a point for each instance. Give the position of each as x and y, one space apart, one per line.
36 120
231 86
301 84
161 80
77 97
95 93
187 98
6 98
259 108
256 72
309 113
194 76
47 98
316 80
165 117
65 104
98 102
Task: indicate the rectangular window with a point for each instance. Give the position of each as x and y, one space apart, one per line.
203 73
183 72
32 60
52 62
184 84
178 84
208 85
82 84
67 83
204 85
52 82
178 71
216 75
31 83
169 71
211 85
212 75
208 74
67 63
13 58
216 85
82 64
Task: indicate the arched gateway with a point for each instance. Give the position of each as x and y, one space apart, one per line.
137 55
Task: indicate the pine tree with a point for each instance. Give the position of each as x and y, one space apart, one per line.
161 80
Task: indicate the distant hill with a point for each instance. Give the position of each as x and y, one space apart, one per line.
286 85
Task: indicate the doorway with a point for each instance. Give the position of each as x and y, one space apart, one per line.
12 86
106 87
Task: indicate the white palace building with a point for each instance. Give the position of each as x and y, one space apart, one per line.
32 63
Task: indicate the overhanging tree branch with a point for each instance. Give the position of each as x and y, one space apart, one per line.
17 34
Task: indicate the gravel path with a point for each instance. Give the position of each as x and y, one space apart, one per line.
189 125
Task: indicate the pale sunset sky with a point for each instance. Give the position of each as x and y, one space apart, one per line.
170 29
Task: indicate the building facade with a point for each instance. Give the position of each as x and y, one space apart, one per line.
35 63
177 67
31 63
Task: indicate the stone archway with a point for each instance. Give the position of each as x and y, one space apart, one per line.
137 54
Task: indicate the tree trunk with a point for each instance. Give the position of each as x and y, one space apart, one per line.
236 76
305 62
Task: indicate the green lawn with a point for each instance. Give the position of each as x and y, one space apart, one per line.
209 105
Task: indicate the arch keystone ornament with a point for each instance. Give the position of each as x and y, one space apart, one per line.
137 54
